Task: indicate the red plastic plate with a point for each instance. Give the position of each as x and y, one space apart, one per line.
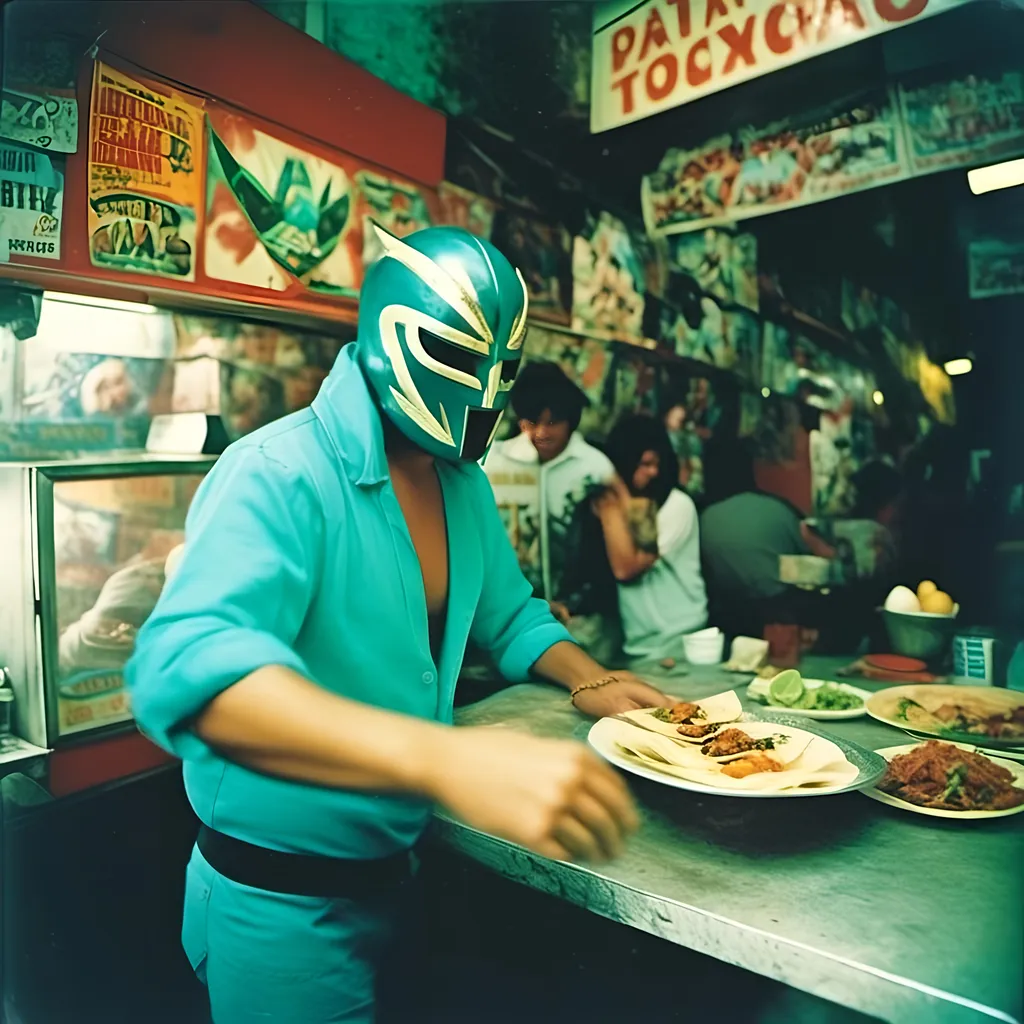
895 663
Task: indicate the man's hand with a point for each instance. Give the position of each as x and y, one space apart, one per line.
627 693
552 796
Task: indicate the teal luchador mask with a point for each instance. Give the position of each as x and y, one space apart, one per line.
442 317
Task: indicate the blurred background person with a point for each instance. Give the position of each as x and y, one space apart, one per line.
743 531
651 531
543 480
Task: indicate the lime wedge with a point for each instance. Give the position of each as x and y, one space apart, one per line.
786 689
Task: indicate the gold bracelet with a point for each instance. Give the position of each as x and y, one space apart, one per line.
593 685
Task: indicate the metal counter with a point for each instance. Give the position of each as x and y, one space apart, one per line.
911 919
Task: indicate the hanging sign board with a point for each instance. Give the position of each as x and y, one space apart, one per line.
649 57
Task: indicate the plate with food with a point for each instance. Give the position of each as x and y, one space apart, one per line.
709 746
950 780
982 715
809 698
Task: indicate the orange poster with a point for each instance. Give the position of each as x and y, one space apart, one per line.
145 176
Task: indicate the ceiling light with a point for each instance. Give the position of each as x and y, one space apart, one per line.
958 367
1004 175
766 392
89 300
877 397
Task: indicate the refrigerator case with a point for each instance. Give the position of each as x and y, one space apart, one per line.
88 544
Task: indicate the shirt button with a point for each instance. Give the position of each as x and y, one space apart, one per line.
428 677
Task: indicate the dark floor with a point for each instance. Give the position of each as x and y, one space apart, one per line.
92 903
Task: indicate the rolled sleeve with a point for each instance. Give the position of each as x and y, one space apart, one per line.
510 623
237 600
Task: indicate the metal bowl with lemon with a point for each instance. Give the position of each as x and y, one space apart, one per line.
921 624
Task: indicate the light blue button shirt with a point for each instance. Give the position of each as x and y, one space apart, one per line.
297 554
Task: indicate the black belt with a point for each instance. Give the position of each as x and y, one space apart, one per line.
301 874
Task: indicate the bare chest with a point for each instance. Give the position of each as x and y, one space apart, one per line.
422 505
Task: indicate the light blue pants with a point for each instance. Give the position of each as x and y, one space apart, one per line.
282 959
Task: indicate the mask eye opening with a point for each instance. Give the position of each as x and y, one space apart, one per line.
509 370
451 355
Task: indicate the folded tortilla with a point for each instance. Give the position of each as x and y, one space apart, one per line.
718 709
790 743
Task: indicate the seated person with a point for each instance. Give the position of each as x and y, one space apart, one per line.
651 531
543 480
743 531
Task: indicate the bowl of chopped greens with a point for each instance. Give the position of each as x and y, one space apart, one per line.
810 698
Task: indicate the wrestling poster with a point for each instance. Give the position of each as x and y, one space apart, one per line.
609 281
31 202
723 263
145 176
973 119
464 209
542 254
399 206
275 213
995 268
46 120
851 146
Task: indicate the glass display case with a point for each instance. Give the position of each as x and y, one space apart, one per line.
87 547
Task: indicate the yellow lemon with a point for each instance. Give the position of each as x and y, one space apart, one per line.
925 589
938 603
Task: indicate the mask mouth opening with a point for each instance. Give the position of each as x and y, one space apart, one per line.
477 432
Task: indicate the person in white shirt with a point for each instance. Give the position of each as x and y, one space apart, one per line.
652 536
544 480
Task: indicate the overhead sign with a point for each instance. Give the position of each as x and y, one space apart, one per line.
651 56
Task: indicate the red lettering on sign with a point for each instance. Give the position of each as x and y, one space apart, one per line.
888 11
622 43
654 32
715 8
777 40
655 91
697 74
683 16
626 85
852 15
740 43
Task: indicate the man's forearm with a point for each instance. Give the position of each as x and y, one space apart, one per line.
568 665
279 723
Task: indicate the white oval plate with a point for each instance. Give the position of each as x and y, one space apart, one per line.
863 771
758 690
889 753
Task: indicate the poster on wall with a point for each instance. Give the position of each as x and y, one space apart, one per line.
973 119
542 253
995 268
145 176
851 146
465 209
31 202
275 214
46 120
398 206
655 55
723 263
608 280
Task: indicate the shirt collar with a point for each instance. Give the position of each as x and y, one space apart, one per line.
352 421
520 449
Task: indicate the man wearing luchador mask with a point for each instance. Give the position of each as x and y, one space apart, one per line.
302 661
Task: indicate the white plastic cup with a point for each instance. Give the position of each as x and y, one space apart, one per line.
705 647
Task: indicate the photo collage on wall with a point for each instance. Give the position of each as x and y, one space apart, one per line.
541 251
